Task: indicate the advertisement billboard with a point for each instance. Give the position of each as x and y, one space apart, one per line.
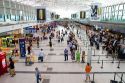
82 14
41 14
22 47
57 16
94 9
52 15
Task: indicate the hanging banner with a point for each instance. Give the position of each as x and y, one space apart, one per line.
94 9
22 47
99 12
41 14
52 15
82 14
57 16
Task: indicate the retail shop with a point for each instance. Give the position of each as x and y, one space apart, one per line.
9 38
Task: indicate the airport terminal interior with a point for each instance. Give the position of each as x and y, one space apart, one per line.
62 41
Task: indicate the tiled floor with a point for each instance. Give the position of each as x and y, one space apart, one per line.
57 70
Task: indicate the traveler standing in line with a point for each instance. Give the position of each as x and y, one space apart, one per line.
59 39
41 55
88 70
37 42
50 38
37 74
62 38
78 56
50 44
83 57
11 67
29 49
66 54
30 41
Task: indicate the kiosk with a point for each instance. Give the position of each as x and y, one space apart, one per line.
3 63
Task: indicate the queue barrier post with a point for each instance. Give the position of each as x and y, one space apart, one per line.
102 65
118 65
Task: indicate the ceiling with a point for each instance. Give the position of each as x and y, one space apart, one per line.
66 7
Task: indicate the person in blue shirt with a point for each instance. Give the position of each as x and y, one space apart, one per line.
66 54
37 74
41 55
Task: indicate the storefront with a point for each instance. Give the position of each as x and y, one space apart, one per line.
29 30
9 39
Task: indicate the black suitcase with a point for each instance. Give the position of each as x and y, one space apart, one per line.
113 81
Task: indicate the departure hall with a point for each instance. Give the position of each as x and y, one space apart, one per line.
62 41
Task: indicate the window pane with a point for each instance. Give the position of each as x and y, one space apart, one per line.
120 7
109 9
123 17
1 17
7 5
120 13
116 7
13 17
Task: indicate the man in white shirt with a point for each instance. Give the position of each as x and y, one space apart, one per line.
41 55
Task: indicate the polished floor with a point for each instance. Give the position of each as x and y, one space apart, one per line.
55 70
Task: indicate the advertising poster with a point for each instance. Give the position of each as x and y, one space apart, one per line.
94 9
56 16
22 47
99 11
52 15
4 63
82 14
41 14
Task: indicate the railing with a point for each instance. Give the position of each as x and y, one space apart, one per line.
118 76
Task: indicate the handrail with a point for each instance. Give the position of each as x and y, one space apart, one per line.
121 77
53 72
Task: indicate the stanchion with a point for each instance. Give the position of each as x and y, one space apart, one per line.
94 52
93 81
107 56
98 59
102 65
121 78
114 76
102 51
118 65
113 59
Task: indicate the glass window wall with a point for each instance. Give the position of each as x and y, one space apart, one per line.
13 11
114 13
